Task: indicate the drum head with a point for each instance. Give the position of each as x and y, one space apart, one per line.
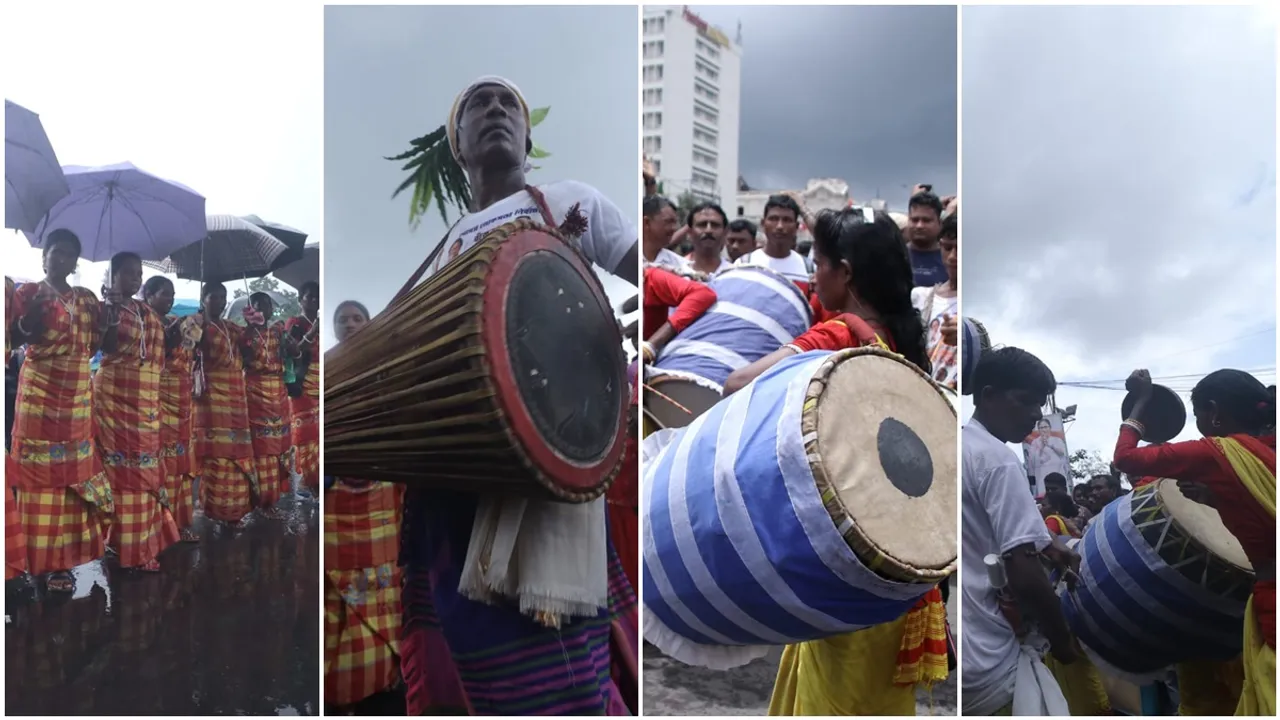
557 361
1202 523
884 459
674 402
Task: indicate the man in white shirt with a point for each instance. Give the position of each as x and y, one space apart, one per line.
781 222
706 225
660 225
999 517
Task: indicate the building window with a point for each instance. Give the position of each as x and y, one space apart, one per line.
706 159
653 121
654 25
653 97
653 73
705 70
741 211
701 90
708 49
652 144
711 117
706 138
653 49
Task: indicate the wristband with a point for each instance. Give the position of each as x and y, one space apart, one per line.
1139 427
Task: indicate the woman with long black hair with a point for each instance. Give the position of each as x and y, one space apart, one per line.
862 275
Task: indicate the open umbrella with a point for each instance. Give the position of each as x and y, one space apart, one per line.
302 271
119 208
235 308
294 238
33 179
233 250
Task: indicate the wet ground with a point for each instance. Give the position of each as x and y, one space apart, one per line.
673 688
231 626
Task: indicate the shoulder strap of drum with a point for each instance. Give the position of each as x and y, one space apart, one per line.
543 207
861 329
417 274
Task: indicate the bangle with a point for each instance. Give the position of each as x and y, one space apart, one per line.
646 348
1139 427
22 328
794 348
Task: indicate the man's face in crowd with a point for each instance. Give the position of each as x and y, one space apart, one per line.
1055 483
923 226
707 228
1103 492
1011 415
780 226
662 226
739 242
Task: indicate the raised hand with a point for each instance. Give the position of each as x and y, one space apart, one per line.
1139 383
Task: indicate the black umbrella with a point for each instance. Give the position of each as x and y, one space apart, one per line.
294 238
233 250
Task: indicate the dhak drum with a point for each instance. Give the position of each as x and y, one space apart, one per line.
673 400
757 311
818 500
502 372
1161 581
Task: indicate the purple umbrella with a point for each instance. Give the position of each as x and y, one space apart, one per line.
33 180
119 208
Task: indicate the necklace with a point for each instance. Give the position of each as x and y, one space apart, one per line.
142 331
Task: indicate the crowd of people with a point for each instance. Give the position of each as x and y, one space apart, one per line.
870 281
107 462
1021 625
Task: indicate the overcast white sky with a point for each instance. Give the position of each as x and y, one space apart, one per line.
1119 196
226 103
391 74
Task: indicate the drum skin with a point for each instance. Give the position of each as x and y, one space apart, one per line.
503 372
757 311
1133 608
739 549
673 401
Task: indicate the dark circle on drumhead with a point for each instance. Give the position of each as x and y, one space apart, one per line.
564 357
904 458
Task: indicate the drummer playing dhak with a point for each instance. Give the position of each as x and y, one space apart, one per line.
488 131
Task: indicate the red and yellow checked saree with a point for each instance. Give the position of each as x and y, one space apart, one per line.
63 496
15 541
177 448
126 413
361 589
224 443
269 413
306 411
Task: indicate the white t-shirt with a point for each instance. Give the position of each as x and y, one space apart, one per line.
724 263
942 357
606 241
791 267
998 514
669 260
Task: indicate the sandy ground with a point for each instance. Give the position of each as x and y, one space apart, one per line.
671 688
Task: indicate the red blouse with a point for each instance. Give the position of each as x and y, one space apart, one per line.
1202 462
820 314
845 331
665 290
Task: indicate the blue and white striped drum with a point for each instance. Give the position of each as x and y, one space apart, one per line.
757 311
816 501
1161 581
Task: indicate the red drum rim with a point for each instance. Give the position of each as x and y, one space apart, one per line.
583 477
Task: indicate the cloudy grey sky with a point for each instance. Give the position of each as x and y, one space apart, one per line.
863 93
1119 196
390 75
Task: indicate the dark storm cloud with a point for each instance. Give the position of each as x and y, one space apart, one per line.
1118 204
867 94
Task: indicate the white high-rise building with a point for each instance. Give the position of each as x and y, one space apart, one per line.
691 80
